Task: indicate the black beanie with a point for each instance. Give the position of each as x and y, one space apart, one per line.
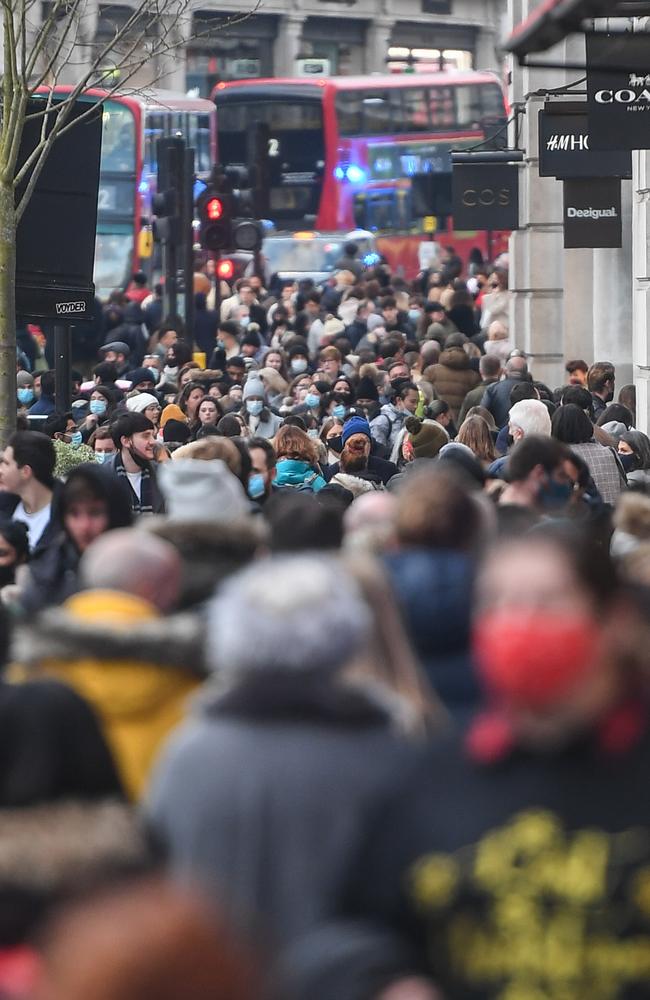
367 389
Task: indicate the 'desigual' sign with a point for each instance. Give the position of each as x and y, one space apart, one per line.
592 212
565 147
618 91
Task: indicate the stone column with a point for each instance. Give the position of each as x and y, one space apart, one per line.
171 64
288 44
377 44
536 258
577 308
612 296
641 280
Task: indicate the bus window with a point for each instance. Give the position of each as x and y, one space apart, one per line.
492 102
118 139
441 106
201 143
154 130
348 112
415 110
468 106
382 112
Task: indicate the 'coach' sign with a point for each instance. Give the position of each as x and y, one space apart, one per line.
618 91
485 196
592 213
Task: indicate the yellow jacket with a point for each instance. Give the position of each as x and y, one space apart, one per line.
135 667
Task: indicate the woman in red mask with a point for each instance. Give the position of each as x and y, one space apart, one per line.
517 859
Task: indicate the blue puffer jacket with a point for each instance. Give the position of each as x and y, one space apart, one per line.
434 592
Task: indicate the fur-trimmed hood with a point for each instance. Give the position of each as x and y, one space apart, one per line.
632 515
210 550
57 634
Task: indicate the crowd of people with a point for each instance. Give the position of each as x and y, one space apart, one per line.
324 636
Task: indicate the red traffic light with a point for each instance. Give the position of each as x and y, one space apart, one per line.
214 209
225 269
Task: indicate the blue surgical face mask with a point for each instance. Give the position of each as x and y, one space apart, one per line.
98 406
103 456
221 344
76 438
298 366
312 432
312 400
414 315
339 411
244 321
254 407
256 486
25 396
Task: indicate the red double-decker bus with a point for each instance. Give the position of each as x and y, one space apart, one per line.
131 127
343 151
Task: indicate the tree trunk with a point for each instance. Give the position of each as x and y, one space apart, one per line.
7 313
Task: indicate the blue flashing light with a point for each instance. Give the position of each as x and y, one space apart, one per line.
198 188
355 174
371 259
339 173
268 225
143 187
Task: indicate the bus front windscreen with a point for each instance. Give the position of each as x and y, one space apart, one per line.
293 128
116 219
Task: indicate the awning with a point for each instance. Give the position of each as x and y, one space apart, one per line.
553 20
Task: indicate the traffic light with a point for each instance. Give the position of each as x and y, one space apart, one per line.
164 208
215 217
248 234
225 269
166 203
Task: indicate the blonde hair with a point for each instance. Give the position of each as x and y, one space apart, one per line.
475 433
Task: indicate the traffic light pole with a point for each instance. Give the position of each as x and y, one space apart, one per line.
170 293
62 366
187 219
217 283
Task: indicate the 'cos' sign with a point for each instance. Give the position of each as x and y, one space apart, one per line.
485 196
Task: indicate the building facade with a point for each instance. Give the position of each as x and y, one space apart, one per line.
215 40
342 37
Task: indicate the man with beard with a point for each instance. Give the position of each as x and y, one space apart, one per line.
355 457
134 462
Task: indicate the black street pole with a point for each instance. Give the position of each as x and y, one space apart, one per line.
171 295
187 220
62 366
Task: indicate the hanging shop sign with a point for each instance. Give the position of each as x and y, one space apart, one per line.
565 147
592 212
618 91
485 196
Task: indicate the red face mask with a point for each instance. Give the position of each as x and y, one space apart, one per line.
533 660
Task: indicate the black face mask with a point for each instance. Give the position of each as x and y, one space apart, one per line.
342 397
510 440
629 462
7 575
335 444
143 463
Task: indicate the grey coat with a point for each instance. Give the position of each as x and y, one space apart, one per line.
268 795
